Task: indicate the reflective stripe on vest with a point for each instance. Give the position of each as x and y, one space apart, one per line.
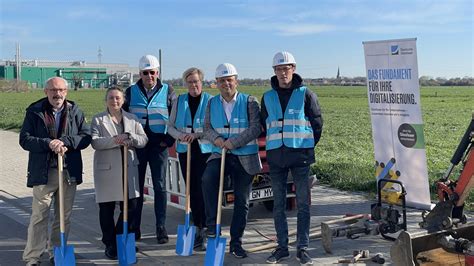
155 110
184 124
293 129
238 123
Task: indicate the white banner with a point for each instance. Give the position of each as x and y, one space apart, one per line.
395 110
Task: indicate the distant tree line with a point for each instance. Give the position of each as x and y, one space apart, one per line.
430 81
342 81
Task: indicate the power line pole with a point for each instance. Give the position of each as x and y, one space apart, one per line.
18 62
99 55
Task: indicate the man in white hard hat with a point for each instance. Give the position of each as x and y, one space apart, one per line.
151 100
292 119
231 122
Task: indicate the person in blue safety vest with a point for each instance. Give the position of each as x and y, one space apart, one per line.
231 122
186 125
292 119
150 100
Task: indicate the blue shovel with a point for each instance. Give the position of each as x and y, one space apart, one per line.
126 242
185 238
64 254
215 251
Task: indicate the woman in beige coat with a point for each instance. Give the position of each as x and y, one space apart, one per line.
112 131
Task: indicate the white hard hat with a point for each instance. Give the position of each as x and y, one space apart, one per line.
226 70
283 58
148 62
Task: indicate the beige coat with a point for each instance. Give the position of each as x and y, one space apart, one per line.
108 157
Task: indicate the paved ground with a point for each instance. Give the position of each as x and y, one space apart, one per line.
15 209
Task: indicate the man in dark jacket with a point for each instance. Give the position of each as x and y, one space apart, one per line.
52 126
151 101
292 119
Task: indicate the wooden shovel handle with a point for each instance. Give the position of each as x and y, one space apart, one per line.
188 179
62 227
221 187
125 183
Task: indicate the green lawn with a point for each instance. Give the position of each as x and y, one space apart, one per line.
345 153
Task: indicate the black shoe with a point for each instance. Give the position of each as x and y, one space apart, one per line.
211 232
278 255
198 238
138 235
303 257
111 252
238 251
161 235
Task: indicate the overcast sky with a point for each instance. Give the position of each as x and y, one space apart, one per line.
322 35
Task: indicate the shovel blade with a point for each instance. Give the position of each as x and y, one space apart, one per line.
126 249
215 251
64 255
185 240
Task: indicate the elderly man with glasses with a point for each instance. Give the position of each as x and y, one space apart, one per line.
151 100
52 126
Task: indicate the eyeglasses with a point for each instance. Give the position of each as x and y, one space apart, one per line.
57 90
283 68
191 82
152 72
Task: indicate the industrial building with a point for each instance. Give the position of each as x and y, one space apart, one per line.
79 74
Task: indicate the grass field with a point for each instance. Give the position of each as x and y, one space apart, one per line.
345 153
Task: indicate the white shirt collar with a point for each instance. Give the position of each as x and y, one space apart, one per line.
231 101
228 106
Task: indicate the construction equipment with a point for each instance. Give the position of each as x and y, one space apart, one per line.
351 227
359 254
388 216
446 224
452 194
364 258
407 248
378 258
383 219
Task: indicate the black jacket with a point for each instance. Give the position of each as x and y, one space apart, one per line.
153 138
34 137
285 156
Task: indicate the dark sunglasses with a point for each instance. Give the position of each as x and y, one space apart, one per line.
152 72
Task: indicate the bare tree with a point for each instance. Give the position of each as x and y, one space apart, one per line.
77 80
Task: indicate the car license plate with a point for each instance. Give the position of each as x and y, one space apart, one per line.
261 193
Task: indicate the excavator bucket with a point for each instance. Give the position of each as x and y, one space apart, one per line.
409 248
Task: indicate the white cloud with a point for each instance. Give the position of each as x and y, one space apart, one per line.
12 33
285 29
304 29
90 13
306 18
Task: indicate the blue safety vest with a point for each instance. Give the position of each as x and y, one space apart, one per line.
238 123
155 110
292 129
184 124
